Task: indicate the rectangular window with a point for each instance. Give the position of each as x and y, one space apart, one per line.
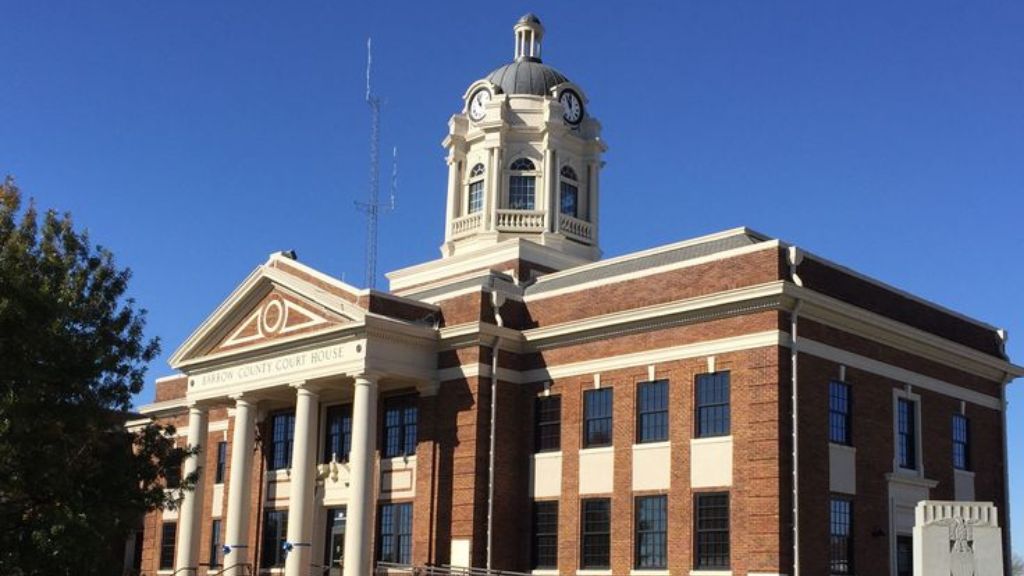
713 404
338 433
841 532
521 192
907 433
282 436
222 462
172 476
400 426
839 412
597 418
548 424
961 442
216 545
651 532
545 534
394 536
168 533
711 526
334 539
596 541
275 534
569 204
652 411
476 196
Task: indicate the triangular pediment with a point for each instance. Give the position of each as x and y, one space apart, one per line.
278 302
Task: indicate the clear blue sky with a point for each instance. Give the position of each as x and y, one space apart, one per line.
194 138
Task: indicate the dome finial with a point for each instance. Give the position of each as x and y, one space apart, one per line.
529 32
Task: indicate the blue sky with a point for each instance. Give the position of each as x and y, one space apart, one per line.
194 138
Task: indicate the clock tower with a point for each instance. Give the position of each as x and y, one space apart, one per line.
524 156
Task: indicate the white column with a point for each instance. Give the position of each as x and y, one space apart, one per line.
190 515
359 525
300 496
454 190
491 201
240 486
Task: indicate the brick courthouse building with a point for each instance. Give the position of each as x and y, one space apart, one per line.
641 406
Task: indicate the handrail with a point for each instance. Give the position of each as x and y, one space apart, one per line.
384 568
246 570
194 570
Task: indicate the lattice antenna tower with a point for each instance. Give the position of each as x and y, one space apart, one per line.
372 207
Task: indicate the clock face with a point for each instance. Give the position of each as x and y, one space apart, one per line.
478 104
572 107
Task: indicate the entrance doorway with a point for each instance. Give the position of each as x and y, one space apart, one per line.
334 547
904 556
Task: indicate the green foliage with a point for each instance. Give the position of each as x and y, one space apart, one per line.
1018 566
73 480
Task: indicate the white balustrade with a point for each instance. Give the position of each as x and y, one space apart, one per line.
575 228
466 224
520 220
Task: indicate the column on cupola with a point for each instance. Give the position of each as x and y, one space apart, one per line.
454 190
236 538
593 173
302 483
551 189
190 513
359 522
491 198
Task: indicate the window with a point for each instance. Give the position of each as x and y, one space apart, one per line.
569 202
597 418
172 476
222 461
713 404
841 532
712 529
652 411
651 527
597 520
394 534
168 532
400 427
216 545
545 534
906 433
961 442
904 556
338 433
282 434
476 189
548 424
839 412
275 534
521 187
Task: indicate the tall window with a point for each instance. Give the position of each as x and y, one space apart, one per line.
334 538
168 533
222 462
961 442
597 418
839 412
651 532
338 433
545 534
713 404
712 529
652 411
394 536
548 424
841 541
569 202
282 435
400 426
522 185
476 189
275 534
906 433
596 533
216 544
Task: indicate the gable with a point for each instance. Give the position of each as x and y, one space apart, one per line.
278 315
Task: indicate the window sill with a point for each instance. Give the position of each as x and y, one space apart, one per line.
710 572
545 572
844 447
594 572
649 572
711 440
547 455
597 450
652 446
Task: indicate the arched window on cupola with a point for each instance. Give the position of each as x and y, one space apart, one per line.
522 185
475 196
570 193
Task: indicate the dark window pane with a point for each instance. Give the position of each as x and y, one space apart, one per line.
839 413
651 532
216 544
476 196
652 411
400 421
904 556
961 442
338 433
394 533
569 200
282 436
841 537
713 414
545 534
597 418
168 534
907 433
222 461
521 192
275 532
596 533
548 423
711 520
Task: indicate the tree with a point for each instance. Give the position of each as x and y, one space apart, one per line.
73 480
1018 566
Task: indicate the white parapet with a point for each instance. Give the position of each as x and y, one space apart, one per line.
957 539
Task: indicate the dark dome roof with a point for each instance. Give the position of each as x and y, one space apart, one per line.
527 76
529 17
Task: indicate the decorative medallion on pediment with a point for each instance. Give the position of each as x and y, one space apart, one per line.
277 316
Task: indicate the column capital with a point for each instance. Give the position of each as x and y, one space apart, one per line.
243 400
366 377
305 387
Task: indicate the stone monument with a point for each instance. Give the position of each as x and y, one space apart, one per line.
957 539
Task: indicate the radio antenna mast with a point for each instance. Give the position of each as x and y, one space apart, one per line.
372 207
